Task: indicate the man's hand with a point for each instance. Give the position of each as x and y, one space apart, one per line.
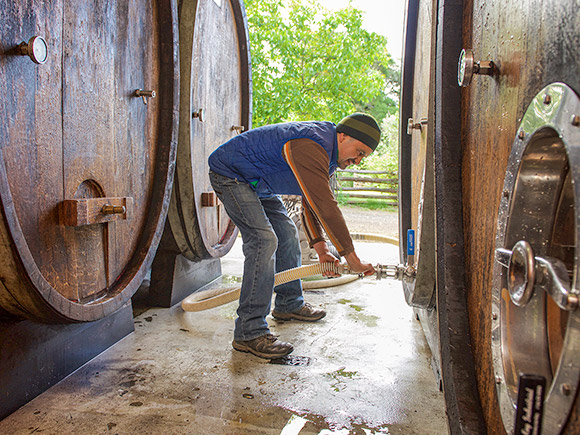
325 256
357 266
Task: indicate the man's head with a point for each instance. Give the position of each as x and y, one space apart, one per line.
358 135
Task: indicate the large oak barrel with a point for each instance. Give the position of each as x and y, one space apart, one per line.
215 106
88 129
505 205
416 182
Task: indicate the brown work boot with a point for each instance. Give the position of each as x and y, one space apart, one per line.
265 346
306 313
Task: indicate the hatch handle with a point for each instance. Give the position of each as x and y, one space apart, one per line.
113 209
88 211
527 272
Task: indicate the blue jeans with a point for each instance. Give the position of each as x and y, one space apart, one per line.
270 245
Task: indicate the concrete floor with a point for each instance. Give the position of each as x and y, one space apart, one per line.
368 373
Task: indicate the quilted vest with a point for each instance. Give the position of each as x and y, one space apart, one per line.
255 156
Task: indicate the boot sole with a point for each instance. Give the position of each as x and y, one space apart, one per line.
244 348
290 316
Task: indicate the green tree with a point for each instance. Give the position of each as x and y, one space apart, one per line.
309 63
386 156
386 103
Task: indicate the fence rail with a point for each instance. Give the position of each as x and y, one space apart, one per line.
358 184
370 180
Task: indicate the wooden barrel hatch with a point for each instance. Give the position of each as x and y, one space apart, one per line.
492 173
215 106
88 140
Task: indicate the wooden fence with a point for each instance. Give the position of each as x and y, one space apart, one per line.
359 185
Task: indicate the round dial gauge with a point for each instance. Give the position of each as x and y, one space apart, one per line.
38 49
465 67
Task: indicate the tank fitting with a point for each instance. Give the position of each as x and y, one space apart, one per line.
399 272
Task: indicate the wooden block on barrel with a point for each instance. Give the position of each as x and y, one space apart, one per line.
209 199
87 211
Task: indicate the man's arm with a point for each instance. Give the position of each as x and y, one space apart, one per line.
309 163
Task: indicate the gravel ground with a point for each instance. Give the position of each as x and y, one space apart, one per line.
360 220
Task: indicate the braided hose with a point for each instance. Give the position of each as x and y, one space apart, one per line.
304 271
211 298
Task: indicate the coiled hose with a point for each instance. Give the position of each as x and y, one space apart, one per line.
211 298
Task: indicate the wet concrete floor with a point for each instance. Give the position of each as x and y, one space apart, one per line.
364 369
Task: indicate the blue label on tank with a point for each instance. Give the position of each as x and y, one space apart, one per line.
410 242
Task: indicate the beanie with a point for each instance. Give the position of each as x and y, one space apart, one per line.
362 127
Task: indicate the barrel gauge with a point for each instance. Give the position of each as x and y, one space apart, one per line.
467 67
36 48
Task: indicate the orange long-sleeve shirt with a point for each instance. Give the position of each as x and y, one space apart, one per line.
309 163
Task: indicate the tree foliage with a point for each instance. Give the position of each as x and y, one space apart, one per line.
386 156
312 64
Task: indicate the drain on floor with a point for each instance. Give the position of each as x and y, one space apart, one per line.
292 360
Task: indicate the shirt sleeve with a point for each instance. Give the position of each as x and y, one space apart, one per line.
309 163
311 225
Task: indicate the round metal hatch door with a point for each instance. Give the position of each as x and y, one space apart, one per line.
416 177
535 320
215 106
86 166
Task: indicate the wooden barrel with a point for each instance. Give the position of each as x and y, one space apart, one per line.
215 106
416 151
505 153
416 182
88 128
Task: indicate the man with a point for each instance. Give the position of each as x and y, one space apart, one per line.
247 173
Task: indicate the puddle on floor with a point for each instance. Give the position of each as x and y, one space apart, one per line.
369 320
340 377
296 423
292 360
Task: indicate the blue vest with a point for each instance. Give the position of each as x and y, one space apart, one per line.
255 156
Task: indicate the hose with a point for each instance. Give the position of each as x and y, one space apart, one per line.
211 298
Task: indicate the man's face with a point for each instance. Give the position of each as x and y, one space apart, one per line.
351 151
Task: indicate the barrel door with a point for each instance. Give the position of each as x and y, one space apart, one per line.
87 152
215 106
535 325
416 212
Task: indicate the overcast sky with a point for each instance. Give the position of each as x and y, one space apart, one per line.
385 17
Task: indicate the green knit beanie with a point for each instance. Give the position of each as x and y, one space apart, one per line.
362 127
